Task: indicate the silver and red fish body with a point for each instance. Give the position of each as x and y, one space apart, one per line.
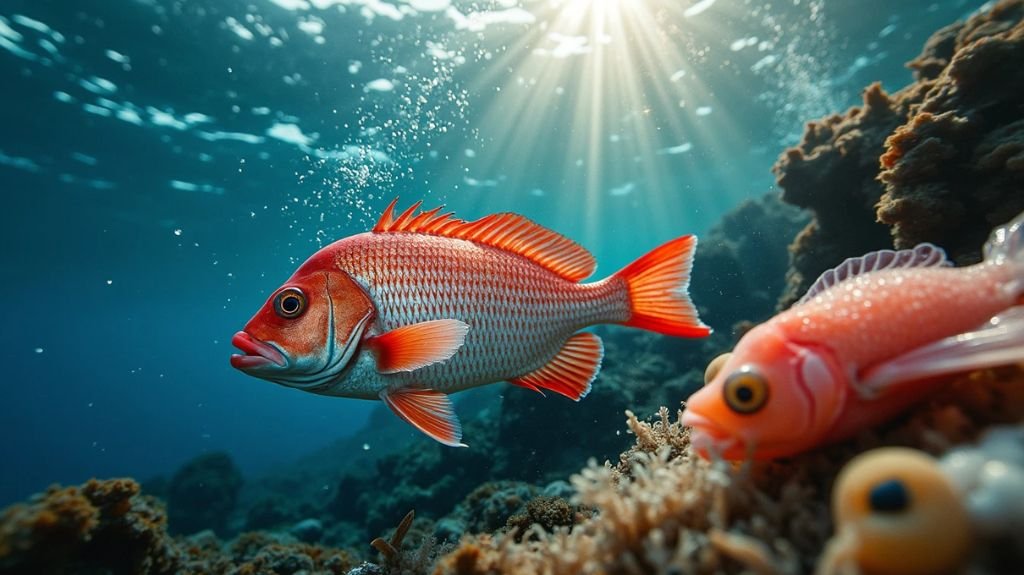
518 314
426 305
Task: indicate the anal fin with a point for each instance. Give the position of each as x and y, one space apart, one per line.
427 410
571 372
1000 341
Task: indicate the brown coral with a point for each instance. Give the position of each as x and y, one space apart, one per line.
955 169
941 160
110 527
545 513
833 172
102 524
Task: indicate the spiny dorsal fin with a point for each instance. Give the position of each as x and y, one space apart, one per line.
506 231
921 256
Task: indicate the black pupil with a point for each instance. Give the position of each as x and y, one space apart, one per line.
889 496
744 393
290 304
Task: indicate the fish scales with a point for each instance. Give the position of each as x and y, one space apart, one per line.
426 304
936 302
519 313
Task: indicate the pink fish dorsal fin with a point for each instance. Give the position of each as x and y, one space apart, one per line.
507 231
571 372
417 345
922 256
427 410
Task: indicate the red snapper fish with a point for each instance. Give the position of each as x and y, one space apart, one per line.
869 338
426 305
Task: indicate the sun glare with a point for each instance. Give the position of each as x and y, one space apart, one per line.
603 84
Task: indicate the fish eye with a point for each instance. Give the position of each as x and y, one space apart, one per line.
889 497
745 391
290 303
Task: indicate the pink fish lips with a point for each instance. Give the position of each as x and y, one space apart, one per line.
255 353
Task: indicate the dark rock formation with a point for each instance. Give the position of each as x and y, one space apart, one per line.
955 169
739 269
941 160
202 494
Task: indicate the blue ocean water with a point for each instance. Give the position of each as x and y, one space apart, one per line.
165 165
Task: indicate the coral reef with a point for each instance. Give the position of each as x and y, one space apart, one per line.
662 509
938 161
547 514
202 494
110 527
955 168
104 524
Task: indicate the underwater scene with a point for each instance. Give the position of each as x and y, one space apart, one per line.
468 287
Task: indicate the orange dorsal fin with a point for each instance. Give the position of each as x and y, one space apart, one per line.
571 372
411 347
507 231
427 410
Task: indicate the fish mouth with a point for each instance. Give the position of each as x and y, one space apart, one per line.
708 438
255 353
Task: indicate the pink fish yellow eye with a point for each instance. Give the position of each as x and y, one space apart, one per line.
745 391
290 303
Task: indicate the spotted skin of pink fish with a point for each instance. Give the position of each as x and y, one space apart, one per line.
519 314
898 310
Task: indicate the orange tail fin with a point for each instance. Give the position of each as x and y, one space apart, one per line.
657 284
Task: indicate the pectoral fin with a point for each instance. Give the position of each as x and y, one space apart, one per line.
1000 341
411 347
427 410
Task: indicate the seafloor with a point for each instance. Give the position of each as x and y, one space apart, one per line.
941 160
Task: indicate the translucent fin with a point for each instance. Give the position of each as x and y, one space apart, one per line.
921 256
427 410
506 231
1000 341
657 284
1006 242
411 347
571 372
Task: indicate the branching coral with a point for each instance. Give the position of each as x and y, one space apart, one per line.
663 510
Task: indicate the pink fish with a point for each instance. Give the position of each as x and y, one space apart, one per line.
869 338
426 305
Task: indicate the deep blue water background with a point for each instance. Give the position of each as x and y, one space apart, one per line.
165 165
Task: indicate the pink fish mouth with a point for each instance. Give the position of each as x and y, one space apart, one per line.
708 438
255 353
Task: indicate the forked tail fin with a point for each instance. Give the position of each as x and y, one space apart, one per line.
657 284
